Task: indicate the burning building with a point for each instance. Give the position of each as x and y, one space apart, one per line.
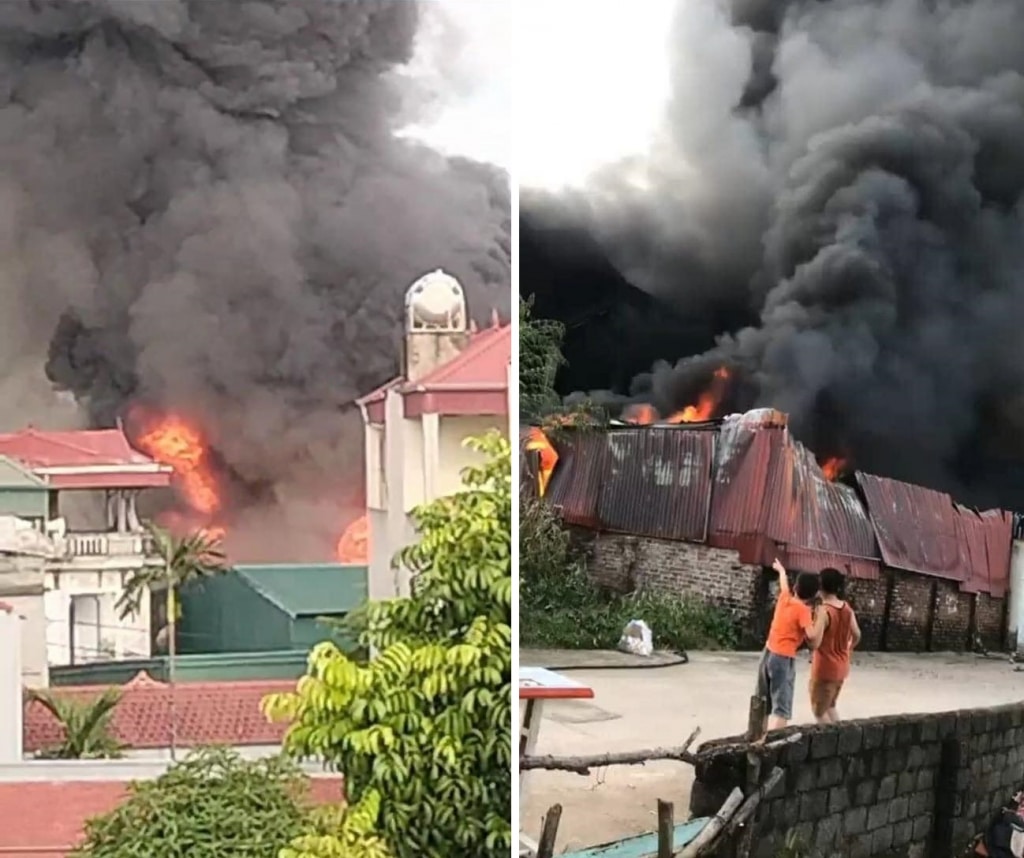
702 510
832 210
210 220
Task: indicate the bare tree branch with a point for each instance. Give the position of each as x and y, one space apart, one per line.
681 754
583 765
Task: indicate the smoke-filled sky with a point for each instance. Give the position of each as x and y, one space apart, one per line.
215 208
834 190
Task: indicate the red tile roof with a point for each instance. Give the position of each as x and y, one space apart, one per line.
483 362
475 382
99 453
50 816
36 448
205 713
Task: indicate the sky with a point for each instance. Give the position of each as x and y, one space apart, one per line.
591 85
464 57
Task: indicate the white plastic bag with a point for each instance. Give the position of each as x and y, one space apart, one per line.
636 638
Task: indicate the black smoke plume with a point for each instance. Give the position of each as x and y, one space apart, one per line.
837 194
204 208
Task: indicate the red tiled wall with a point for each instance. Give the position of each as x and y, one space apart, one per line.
51 815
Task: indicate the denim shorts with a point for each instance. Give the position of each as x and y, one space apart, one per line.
776 676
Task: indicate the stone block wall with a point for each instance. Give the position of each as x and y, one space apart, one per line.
917 786
899 612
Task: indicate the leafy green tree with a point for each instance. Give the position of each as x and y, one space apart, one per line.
540 356
85 725
426 724
214 803
343 831
183 559
211 805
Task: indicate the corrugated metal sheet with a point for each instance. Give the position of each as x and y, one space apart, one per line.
755 490
576 483
918 529
742 461
657 482
987 538
771 499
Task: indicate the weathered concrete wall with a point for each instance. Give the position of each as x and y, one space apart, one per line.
916 786
899 612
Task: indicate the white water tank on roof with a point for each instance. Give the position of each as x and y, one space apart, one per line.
435 302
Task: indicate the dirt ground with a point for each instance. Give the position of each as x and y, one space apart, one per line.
641 708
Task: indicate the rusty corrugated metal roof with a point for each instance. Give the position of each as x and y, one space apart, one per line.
657 482
999 537
918 529
576 482
752 488
988 538
771 498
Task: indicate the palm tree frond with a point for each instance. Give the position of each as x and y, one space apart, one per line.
56 707
98 712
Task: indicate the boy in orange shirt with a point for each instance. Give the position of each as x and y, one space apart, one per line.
793 624
830 665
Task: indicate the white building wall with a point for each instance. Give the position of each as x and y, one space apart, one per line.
1015 619
454 455
99 634
10 686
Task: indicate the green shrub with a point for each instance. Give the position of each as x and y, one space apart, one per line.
559 607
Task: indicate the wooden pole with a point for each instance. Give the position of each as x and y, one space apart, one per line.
549 832
757 719
751 802
757 727
666 829
172 652
702 841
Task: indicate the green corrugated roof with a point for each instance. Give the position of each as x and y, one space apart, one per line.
15 476
308 590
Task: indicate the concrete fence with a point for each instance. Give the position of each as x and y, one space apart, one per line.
917 786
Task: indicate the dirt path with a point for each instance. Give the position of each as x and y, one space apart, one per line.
641 708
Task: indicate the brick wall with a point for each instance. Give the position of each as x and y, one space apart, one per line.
990 620
916 786
869 599
899 612
714 575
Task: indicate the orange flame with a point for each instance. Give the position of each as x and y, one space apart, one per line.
172 441
833 468
707 403
548 458
640 414
354 544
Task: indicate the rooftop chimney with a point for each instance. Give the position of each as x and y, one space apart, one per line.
435 323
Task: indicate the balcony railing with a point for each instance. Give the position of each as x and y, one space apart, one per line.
108 545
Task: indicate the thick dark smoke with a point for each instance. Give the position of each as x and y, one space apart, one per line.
204 208
849 175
